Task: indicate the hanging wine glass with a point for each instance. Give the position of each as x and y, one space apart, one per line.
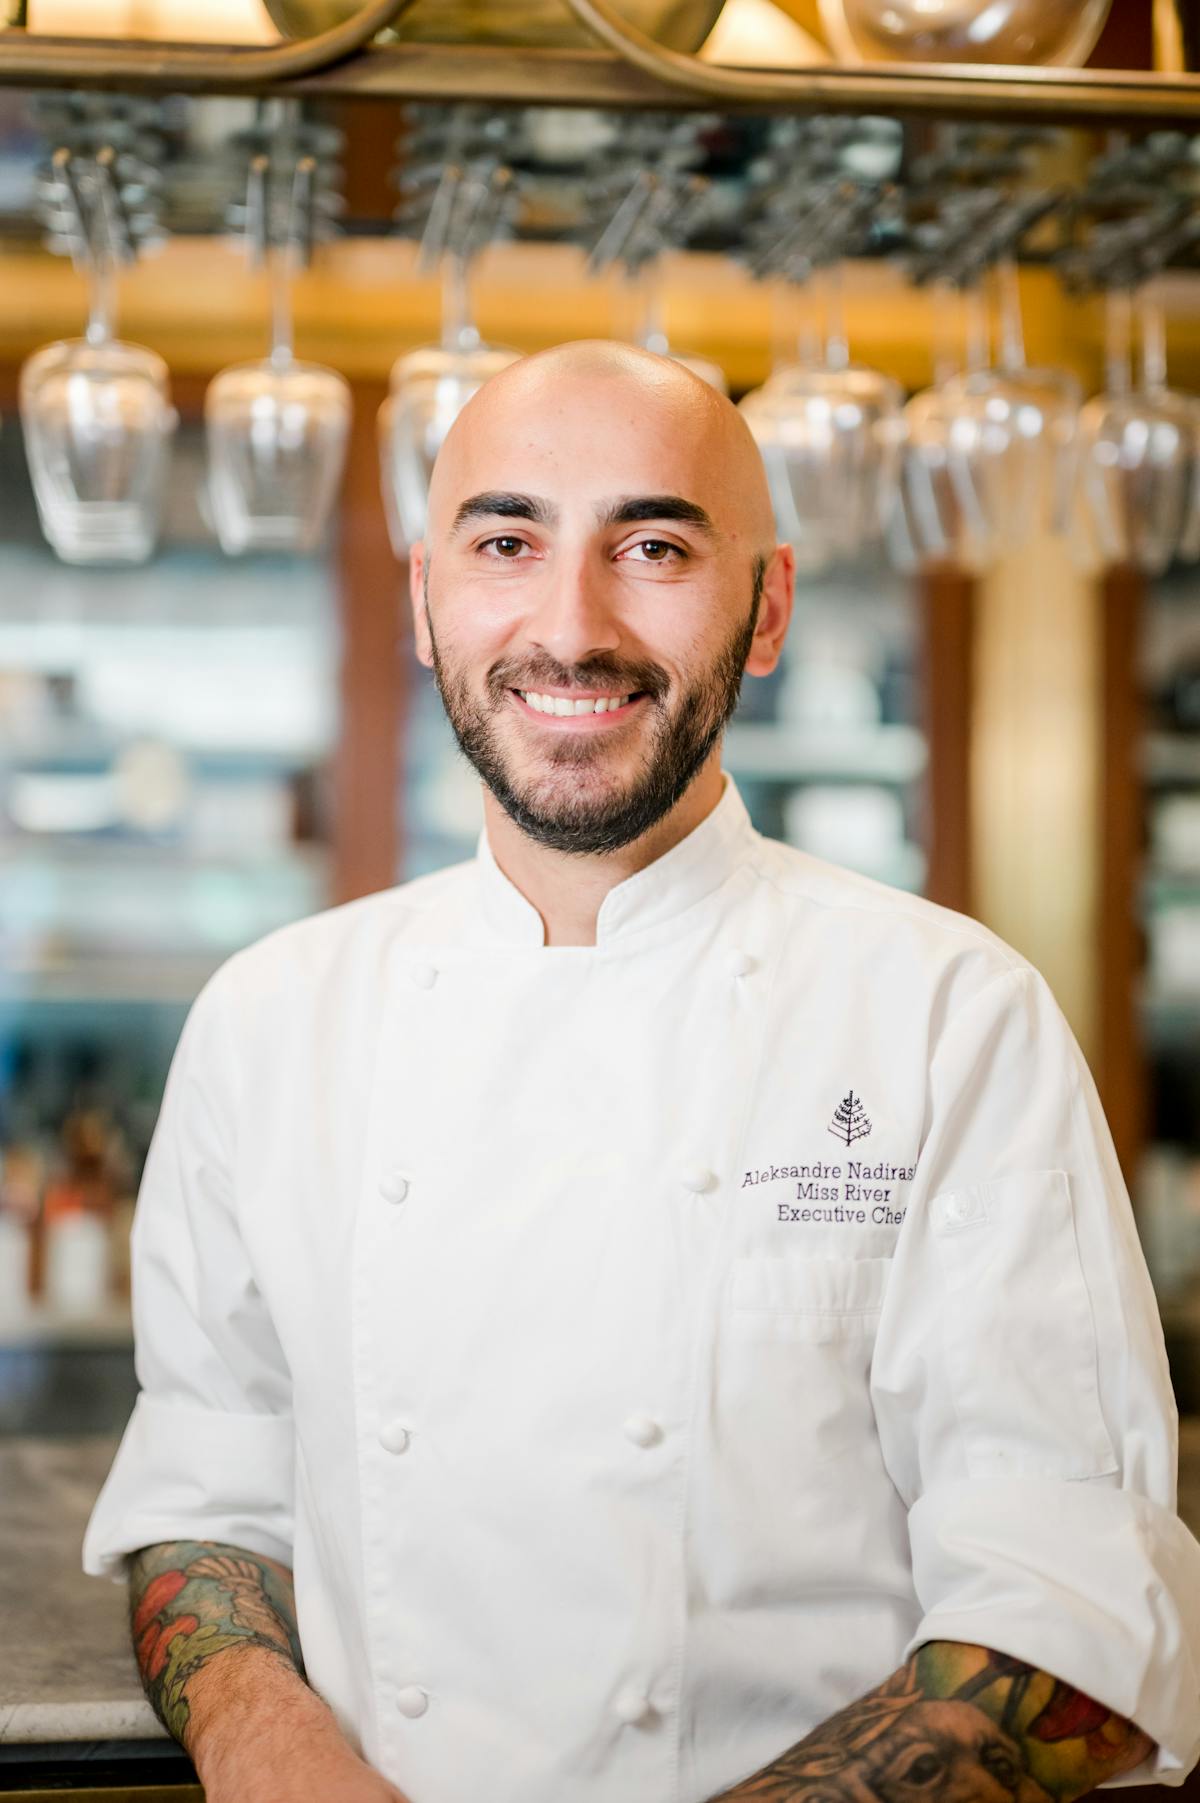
1137 451
276 429
991 446
96 411
660 209
938 514
646 291
830 433
669 217
430 386
1014 427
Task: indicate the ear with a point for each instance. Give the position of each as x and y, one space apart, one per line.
774 612
416 595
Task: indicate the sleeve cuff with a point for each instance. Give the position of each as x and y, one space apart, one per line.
1099 1586
194 1474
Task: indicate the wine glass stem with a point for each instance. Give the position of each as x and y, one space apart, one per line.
282 341
458 329
651 311
977 331
1117 309
1154 343
837 348
1012 331
783 323
809 348
101 286
946 321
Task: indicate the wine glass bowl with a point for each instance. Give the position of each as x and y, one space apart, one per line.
429 388
1137 453
276 432
98 420
830 442
1010 438
939 514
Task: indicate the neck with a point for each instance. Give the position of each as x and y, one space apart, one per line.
567 888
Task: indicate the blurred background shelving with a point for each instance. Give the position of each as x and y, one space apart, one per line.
200 749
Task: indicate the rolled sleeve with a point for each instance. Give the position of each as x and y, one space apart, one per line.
1098 1586
1021 1387
208 1451
193 1474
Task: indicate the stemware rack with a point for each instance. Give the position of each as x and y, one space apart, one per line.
626 69
782 196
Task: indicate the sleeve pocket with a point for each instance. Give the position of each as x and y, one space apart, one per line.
1020 1337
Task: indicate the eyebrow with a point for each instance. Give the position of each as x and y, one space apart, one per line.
626 511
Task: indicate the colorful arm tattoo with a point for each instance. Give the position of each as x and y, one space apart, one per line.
189 1600
957 1724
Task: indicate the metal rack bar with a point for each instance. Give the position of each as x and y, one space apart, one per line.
519 76
632 71
33 61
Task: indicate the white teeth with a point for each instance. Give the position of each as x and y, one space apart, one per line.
563 705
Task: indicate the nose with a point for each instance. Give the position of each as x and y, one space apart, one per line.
573 619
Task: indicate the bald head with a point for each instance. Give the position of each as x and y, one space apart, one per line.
598 574
612 414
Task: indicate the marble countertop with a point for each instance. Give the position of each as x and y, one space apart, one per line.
66 1668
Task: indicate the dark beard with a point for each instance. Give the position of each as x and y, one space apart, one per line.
680 743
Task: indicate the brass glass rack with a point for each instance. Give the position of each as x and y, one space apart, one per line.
627 69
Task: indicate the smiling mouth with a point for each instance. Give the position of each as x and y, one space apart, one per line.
575 708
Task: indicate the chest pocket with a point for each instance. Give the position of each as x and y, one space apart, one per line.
801 1298
793 1388
1020 1339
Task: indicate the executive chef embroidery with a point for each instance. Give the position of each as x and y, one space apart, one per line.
850 1120
847 1196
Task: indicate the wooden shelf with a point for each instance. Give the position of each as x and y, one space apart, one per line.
598 77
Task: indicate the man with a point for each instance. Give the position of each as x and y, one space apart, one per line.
669 1304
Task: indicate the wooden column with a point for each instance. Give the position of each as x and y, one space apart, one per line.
1034 782
946 600
373 603
1120 1072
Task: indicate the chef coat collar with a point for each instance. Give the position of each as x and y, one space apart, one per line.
682 876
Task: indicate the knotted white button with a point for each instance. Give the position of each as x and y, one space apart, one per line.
412 1701
643 1430
959 1210
698 1179
423 975
394 1437
741 964
393 1186
632 1706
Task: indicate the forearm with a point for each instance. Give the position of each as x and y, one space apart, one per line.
957 1724
214 1634
214 1630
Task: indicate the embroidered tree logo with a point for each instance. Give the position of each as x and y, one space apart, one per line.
850 1120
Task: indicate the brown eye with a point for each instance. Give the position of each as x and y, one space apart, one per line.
657 550
507 546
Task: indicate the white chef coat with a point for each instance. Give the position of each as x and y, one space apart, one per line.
637 1349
